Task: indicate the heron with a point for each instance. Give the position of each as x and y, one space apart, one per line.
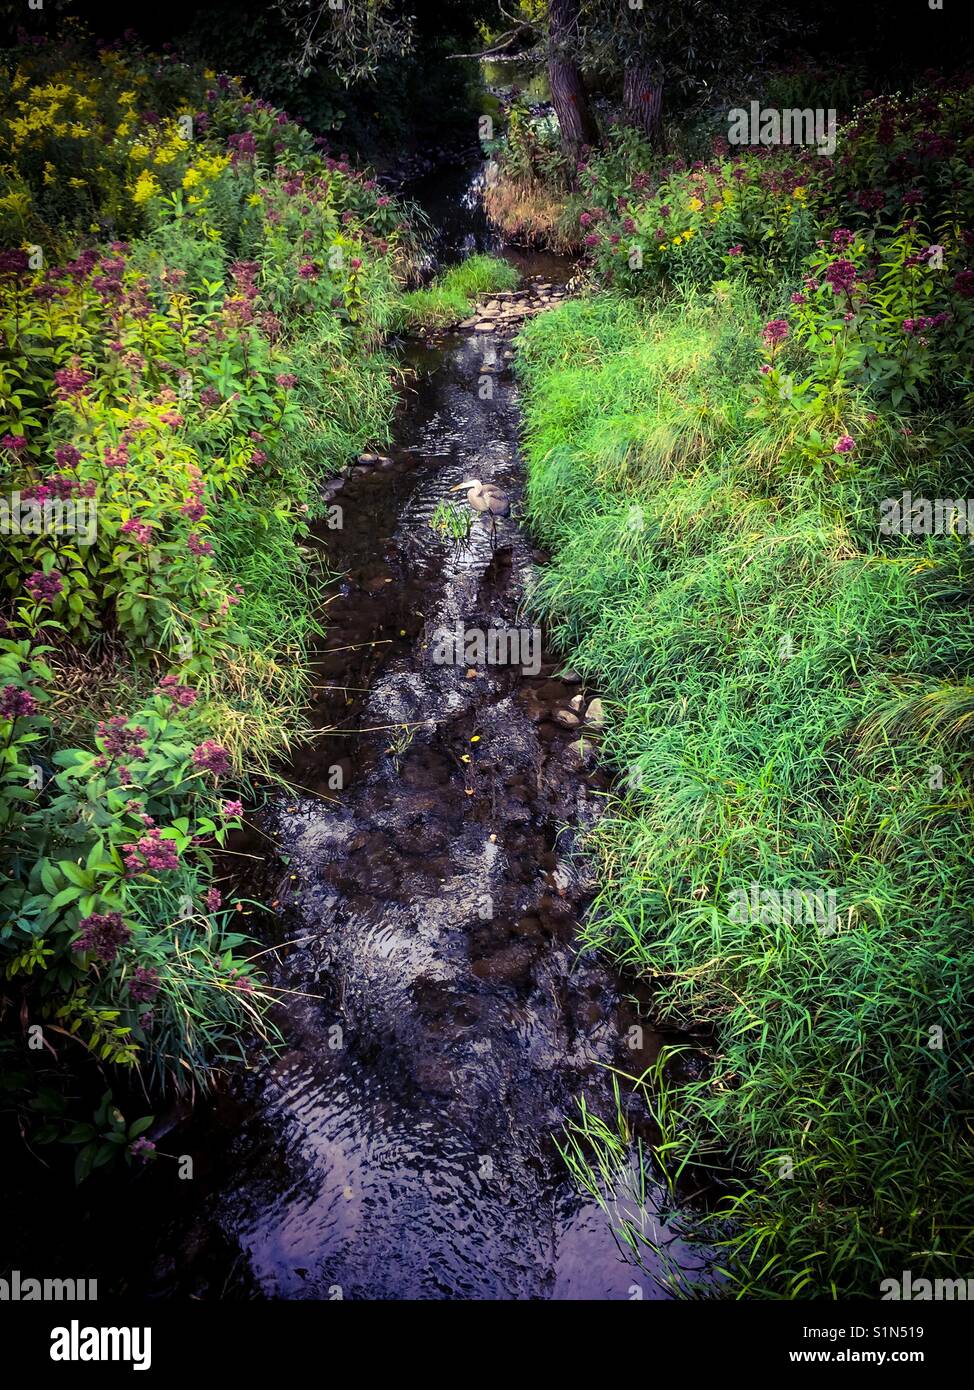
487 499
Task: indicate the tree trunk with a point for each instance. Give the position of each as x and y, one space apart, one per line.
567 92
642 96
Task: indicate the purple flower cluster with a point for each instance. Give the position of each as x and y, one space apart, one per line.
841 275
67 456
211 757
71 381
44 588
116 458
102 933
244 146
13 262
119 741
181 695
198 547
16 703
926 321
144 985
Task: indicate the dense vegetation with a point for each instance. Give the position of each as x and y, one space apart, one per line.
782 341
769 349
192 311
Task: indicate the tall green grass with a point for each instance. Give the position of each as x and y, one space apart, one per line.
789 705
451 295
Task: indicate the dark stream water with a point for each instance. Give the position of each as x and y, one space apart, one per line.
439 1022
443 1023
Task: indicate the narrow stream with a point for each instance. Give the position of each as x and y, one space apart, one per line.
439 1021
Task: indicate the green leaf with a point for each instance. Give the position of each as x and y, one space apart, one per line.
83 1163
74 874
66 895
79 1134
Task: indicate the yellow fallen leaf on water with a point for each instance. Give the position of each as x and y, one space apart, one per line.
475 739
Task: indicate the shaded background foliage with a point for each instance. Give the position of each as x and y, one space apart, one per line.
411 99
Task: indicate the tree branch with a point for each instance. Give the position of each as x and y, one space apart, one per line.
499 45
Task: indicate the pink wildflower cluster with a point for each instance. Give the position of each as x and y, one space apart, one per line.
181 695
776 331
150 851
141 531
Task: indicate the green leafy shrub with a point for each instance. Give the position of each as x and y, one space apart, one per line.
192 304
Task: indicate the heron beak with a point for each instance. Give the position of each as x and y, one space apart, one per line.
471 482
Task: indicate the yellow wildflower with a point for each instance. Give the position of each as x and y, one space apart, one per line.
694 205
146 187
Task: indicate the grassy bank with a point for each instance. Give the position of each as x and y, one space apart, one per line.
787 854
